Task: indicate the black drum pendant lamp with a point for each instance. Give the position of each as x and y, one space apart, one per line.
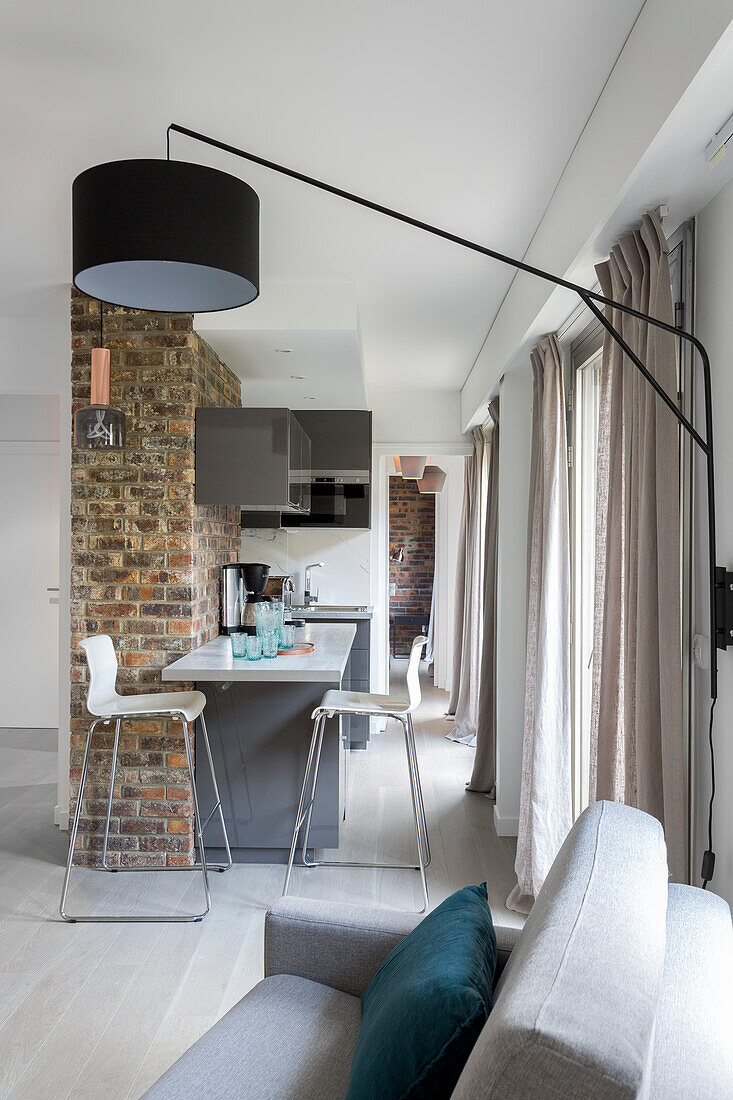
166 236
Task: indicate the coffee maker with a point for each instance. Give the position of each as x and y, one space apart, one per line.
242 586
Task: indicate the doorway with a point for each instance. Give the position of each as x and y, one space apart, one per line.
29 561
411 562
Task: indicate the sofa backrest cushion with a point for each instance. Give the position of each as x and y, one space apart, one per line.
574 1010
427 1003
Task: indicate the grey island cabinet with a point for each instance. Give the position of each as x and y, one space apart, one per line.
258 714
357 675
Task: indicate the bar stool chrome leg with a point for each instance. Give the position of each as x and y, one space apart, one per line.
421 803
305 812
199 827
311 801
75 823
197 819
217 802
416 815
299 817
118 723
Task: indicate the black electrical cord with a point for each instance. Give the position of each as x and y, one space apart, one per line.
708 859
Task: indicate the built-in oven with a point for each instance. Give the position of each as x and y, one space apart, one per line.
337 500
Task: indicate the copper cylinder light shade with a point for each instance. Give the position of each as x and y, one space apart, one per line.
99 425
432 480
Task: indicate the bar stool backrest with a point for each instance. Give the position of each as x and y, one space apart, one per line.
102 662
413 671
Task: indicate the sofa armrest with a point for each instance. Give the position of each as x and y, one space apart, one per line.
506 940
343 945
334 943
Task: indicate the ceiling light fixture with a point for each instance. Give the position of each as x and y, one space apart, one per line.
297 378
432 480
284 351
165 236
412 467
98 424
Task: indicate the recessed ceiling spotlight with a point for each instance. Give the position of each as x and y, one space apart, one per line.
311 398
283 351
297 378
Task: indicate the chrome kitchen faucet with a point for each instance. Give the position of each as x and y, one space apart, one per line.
308 596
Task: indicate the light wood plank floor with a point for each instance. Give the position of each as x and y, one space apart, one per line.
100 1011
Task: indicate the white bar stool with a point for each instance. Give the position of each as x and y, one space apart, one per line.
336 703
104 702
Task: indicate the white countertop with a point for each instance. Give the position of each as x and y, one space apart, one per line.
213 661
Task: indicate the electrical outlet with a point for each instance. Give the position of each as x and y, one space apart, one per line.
701 650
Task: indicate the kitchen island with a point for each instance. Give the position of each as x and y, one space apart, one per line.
258 715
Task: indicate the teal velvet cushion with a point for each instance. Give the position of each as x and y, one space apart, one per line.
427 1003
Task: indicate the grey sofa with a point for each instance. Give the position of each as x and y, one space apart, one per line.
618 986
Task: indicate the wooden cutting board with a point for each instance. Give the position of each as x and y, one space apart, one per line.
298 649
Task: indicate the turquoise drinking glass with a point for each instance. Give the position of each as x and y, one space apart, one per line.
269 643
253 646
278 610
287 635
266 619
239 641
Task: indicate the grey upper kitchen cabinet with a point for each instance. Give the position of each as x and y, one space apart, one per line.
341 461
258 459
341 440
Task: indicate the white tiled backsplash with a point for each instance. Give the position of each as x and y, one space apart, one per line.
344 578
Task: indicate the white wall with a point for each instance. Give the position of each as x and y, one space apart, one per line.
345 577
515 432
35 359
714 326
417 416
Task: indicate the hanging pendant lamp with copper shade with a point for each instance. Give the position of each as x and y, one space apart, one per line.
99 425
412 466
432 481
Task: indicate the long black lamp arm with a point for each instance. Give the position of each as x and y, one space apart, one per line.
721 583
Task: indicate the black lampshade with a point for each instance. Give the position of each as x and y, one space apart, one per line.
166 236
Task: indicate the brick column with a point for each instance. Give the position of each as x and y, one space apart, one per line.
411 525
144 568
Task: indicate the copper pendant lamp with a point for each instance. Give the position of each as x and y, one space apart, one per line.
99 425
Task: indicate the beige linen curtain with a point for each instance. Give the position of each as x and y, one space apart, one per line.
483 776
468 625
545 806
637 746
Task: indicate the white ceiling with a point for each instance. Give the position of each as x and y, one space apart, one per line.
461 112
295 368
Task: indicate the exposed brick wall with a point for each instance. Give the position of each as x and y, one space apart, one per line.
412 526
144 568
